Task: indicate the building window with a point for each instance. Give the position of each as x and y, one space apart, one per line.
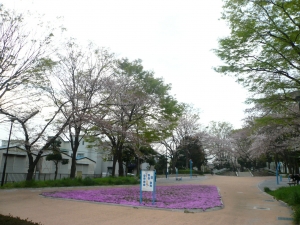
80 155
109 170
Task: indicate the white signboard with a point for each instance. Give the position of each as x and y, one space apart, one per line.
147 180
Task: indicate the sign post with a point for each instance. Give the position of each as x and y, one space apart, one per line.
277 172
148 183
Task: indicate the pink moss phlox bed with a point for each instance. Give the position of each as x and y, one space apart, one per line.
169 197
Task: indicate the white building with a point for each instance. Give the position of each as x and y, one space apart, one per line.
90 161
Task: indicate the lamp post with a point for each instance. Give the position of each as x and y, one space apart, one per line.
191 166
12 119
167 164
296 96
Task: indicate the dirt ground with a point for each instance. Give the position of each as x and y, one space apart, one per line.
244 203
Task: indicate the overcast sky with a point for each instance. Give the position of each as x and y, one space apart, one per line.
173 38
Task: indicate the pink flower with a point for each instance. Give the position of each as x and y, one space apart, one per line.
169 197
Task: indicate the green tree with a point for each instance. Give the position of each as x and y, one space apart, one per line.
132 156
161 164
193 146
56 156
149 154
263 48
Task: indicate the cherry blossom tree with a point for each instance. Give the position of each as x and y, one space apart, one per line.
140 104
218 141
187 129
280 142
240 147
83 78
25 58
24 54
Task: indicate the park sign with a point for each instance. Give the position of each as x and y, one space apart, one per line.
147 180
148 183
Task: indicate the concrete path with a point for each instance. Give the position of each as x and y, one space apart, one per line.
244 203
245 174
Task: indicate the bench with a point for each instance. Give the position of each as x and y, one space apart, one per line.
178 178
292 183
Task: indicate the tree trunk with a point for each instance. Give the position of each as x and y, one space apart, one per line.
121 168
126 168
290 167
74 146
138 166
114 165
297 166
30 172
56 167
187 158
30 168
120 162
32 164
174 161
73 166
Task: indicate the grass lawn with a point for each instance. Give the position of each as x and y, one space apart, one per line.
291 196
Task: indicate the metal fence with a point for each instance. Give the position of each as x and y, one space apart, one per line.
17 177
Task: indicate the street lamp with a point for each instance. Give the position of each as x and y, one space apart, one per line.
167 163
296 96
12 119
191 166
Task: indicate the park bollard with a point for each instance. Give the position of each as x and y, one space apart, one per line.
280 177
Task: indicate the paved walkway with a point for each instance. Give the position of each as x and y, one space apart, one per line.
245 174
244 203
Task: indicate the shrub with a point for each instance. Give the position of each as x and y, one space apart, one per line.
88 181
296 215
10 220
266 189
68 182
294 198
